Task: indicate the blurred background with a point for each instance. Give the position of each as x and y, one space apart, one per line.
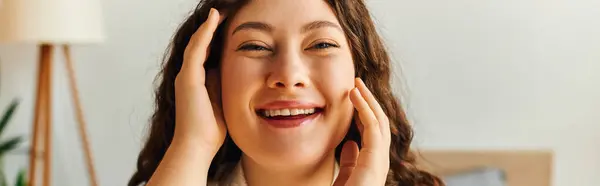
476 75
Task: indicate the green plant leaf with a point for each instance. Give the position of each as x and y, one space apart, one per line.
3 180
8 114
21 178
10 144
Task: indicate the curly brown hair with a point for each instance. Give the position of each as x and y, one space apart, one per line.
371 63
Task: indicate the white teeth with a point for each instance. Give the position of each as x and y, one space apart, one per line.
288 112
285 112
294 112
300 111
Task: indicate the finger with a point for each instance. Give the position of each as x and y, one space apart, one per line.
348 159
384 126
221 19
197 49
371 133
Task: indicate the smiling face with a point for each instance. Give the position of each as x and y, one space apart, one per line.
286 73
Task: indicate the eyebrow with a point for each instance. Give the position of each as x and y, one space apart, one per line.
319 24
269 28
253 25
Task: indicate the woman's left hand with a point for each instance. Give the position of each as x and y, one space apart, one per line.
370 166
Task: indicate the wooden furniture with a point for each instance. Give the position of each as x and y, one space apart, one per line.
522 168
42 125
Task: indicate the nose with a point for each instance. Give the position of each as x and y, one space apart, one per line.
288 71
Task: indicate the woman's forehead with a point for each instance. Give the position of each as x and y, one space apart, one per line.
283 14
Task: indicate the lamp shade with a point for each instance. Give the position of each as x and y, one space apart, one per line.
51 21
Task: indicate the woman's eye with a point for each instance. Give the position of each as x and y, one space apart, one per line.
324 45
253 47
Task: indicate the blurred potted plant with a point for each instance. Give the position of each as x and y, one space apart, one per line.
9 145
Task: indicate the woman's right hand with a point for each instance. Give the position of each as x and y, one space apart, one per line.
198 119
199 126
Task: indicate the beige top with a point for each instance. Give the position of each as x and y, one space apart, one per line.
237 177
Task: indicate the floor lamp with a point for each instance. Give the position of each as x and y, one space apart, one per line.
49 24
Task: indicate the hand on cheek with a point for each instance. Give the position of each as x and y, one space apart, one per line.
369 165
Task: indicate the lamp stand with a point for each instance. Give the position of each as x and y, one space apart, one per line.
42 124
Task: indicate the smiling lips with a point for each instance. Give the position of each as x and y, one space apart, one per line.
288 114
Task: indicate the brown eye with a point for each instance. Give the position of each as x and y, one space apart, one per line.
323 45
253 47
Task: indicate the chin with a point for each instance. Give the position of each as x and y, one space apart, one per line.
291 156
297 147
290 147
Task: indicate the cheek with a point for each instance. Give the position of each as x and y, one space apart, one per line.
335 77
240 78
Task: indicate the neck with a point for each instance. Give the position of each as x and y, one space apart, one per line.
319 173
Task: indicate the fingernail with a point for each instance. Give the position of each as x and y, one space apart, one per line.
355 89
360 81
211 12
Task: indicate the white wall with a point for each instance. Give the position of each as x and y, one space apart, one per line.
481 75
503 75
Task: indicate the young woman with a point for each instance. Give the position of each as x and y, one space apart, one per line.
278 92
